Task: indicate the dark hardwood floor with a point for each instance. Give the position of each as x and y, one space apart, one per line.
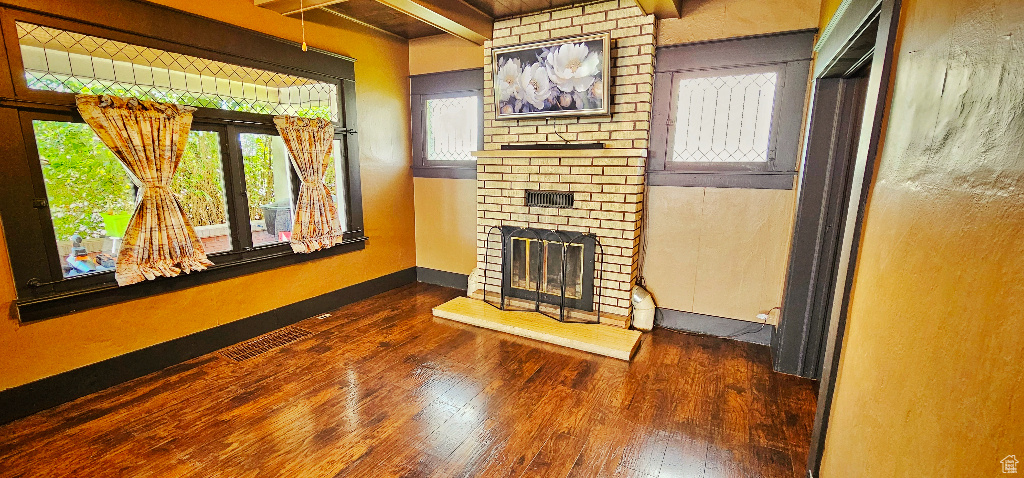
385 389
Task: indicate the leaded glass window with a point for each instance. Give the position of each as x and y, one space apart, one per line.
724 118
58 60
452 127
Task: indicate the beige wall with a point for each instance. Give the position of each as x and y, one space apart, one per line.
715 19
37 350
931 381
446 224
722 251
443 53
718 251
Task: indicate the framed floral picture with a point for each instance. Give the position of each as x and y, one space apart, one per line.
562 77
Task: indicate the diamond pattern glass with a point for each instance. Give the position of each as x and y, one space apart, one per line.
58 60
453 128
724 118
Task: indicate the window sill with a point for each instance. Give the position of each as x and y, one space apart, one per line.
108 293
449 172
741 180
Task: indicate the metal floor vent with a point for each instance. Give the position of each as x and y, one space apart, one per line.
264 343
556 199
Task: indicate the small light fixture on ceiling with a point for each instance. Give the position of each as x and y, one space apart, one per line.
302 21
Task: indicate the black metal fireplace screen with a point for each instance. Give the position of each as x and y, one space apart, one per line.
551 267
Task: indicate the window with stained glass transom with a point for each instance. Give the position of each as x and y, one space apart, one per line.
59 60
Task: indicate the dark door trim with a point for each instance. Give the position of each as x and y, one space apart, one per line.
842 40
836 118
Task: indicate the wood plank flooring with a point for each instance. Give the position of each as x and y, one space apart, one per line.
382 388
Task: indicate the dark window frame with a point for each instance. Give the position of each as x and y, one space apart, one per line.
42 290
443 85
786 54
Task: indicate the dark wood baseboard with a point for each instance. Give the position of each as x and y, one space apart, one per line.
24 400
442 278
741 330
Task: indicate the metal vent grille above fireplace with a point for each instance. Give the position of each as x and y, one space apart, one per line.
555 199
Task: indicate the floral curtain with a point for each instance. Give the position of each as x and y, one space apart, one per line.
149 138
309 142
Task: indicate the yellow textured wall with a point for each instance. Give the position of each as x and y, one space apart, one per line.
828 10
443 53
931 381
715 19
445 208
446 224
718 251
37 350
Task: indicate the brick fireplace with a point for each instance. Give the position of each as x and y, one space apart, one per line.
607 184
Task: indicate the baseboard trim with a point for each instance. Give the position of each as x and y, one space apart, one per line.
25 400
442 278
741 330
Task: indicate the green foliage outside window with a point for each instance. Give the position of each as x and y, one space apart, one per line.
257 161
199 183
92 86
83 179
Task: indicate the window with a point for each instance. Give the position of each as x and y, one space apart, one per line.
89 193
729 113
452 127
91 197
723 118
68 199
268 188
447 123
199 184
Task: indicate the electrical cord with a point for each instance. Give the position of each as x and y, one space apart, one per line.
547 122
739 333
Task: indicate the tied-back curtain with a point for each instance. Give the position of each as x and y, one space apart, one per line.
309 142
149 138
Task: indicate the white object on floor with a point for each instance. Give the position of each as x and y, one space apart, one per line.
475 281
643 309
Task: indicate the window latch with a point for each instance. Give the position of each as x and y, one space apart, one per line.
40 203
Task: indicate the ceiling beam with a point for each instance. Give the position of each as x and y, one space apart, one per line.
453 16
662 8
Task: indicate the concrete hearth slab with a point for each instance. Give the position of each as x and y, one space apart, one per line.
599 339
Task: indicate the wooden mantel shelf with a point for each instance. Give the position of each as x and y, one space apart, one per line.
562 153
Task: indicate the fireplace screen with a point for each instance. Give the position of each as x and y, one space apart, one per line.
534 261
539 260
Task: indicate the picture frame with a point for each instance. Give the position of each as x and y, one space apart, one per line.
560 77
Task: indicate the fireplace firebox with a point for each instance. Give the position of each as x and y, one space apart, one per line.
550 267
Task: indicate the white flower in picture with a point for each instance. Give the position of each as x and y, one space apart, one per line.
534 85
505 80
573 67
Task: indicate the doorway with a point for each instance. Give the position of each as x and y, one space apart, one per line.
852 78
825 182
